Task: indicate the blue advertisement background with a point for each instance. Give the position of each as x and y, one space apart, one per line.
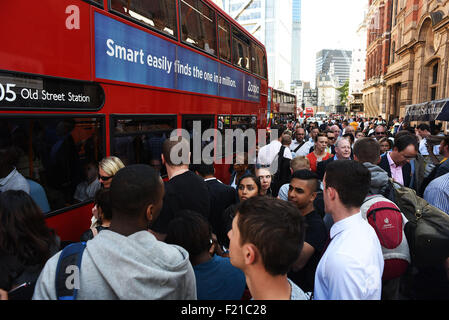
112 68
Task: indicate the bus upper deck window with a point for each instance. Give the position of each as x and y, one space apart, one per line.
198 25
224 38
241 50
157 14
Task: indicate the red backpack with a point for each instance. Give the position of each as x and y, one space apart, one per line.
388 222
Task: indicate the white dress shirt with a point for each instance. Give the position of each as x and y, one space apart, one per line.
301 152
423 148
351 267
14 181
270 151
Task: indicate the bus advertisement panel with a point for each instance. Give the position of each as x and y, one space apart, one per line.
127 54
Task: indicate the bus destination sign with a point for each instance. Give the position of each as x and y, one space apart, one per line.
37 92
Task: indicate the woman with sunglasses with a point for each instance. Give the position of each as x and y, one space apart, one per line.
107 169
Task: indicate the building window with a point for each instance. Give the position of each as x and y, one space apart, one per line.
434 81
393 49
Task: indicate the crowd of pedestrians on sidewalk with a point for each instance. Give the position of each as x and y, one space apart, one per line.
295 225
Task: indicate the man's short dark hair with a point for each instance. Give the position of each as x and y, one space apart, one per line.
133 189
404 141
204 169
276 228
367 150
350 179
307 175
423 127
402 133
190 230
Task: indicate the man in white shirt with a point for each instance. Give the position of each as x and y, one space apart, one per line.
300 147
269 152
10 178
352 265
424 133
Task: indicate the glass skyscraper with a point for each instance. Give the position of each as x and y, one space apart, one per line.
270 21
296 41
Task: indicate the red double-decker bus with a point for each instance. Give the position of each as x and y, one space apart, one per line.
81 80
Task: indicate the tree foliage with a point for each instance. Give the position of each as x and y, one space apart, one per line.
344 93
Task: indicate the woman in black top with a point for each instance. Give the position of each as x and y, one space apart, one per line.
102 212
26 243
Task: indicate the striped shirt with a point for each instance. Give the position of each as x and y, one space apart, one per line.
437 193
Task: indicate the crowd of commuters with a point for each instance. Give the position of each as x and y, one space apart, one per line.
292 226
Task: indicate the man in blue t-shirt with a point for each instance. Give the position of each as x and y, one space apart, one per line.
216 278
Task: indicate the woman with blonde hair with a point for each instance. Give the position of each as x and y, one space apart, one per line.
107 168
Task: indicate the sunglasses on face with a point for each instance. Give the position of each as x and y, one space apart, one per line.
104 178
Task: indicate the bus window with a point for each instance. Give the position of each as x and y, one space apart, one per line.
191 122
198 25
139 139
241 50
157 14
259 65
58 156
224 38
244 122
96 2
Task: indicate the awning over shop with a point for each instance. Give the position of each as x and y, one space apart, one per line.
428 111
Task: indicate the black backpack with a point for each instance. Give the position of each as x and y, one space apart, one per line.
283 173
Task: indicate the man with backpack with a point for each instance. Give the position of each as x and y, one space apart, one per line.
299 146
280 167
126 262
385 217
352 264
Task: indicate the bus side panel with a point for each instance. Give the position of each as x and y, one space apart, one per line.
32 33
71 224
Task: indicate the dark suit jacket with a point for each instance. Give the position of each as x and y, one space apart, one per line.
222 196
321 167
406 170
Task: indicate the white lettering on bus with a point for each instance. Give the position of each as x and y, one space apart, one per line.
123 53
78 98
253 88
73 20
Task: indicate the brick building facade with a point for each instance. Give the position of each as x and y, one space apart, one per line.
378 21
418 68
407 55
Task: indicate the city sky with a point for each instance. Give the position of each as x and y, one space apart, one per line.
328 24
